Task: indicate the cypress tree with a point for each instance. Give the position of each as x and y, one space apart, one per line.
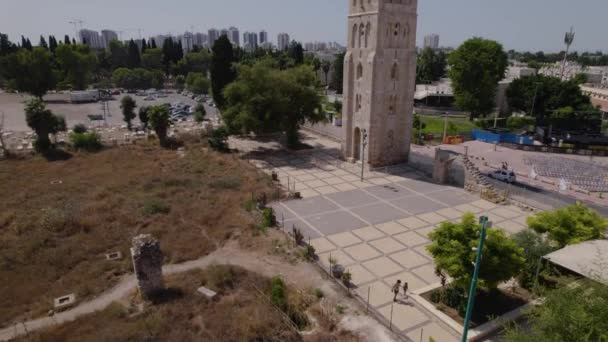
179 52
66 40
133 57
153 43
43 43
74 41
144 46
222 72
52 44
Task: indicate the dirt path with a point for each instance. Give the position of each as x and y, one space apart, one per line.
302 275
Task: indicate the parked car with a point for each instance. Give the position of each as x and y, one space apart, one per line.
504 175
149 98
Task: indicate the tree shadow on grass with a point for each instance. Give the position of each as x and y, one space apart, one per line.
56 155
167 295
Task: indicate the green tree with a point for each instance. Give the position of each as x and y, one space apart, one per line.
193 62
197 83
453 246
548 98
76 64
43 122
199 113
180 83
222 70
326 66
267 99
337 79
143 116
430 66
133 57
476 67
32 71
118 54
66 40
296 52
570 225
570 313
158 117
534 247
43 43
152 59
128 105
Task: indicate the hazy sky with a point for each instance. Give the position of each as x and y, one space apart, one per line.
518 24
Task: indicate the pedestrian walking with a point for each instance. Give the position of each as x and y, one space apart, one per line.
405 288
395 290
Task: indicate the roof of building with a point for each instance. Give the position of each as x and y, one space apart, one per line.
589 259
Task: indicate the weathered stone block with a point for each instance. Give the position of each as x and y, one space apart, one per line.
147 265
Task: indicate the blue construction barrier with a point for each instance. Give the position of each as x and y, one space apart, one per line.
497 138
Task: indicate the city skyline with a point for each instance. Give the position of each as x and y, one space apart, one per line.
507 23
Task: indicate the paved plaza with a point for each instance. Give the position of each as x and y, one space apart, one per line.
378 229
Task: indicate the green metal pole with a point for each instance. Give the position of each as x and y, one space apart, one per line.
467 320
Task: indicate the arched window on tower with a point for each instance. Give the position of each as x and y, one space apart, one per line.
361 34
368 30
359 71
354 37
395 72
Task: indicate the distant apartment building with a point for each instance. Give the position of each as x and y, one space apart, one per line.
200 39
250 40
283 41
108 36
263 37
431 41
187 41
234 36
224 32
159 40
212 36
91 38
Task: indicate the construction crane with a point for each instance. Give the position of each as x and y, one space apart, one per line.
77 26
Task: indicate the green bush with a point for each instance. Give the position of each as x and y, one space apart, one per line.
278 295
319 293
155 206
86 141
218 140
79 128
268 219
516 123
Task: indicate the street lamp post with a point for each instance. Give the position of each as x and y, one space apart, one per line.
363 145
467 320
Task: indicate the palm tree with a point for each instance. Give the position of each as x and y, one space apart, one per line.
326 66
568 40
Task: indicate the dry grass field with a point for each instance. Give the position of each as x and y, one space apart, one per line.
59 219
242 311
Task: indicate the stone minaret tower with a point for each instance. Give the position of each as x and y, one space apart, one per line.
379 80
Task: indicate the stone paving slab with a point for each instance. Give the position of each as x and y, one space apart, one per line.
412 223
431 330
311 206
338 255
336 222
344 239
379 293
417 204
353 198
378 213
414 282
404 316
409 259
360 275
421 186
391 228
368 233
452 197
382 267
411 239
322 245
362 252
388 192
387 245
306 230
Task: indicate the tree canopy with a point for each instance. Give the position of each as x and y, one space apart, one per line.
222 70
137 78
570 225
32 71
266 99
550 99
158 118
430 66
193 62
453 246
570 313
197 83
77 63
337 79
43 122
476 67
128 105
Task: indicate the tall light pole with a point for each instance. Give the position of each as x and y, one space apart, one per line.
467 320
363 145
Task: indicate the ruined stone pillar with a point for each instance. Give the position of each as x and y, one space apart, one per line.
441 166
147 265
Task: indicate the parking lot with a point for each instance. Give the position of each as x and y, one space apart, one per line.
12 105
